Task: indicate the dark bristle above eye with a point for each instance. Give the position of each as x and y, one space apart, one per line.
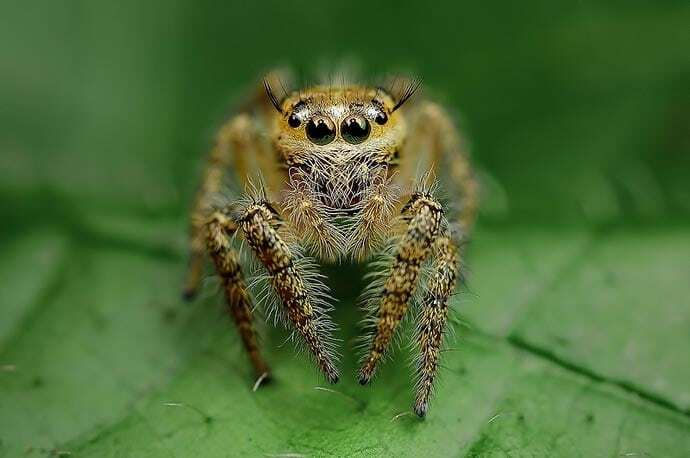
271 96
408 92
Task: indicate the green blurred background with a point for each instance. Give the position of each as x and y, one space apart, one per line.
578 110
578 114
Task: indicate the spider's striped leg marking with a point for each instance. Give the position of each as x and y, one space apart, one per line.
230 137
226 261
432 318
275 255
423 228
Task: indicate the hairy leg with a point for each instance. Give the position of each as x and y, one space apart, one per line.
426 217
231 137
450 154
436 136
432 318
435 143
227 265
257 223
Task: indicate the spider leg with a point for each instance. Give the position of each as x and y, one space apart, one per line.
415 246
435 143
257 223
449 152
226 261
444 149
432 318
231 137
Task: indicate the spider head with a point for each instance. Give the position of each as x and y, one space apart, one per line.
338 141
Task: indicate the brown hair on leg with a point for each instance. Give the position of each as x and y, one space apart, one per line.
227 265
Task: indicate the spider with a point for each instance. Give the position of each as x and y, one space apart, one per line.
337 173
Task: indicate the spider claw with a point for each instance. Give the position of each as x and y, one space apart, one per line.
421 408
263 379
189 294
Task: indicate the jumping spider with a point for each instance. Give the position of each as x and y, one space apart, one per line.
331 173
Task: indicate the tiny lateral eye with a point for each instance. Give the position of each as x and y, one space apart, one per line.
320 131
381 118
294 121
355 129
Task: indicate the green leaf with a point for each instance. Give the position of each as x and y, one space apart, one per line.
112 364
632 284
573 331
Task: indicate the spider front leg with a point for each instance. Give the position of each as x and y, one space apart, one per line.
232 136
433 316
426 216
257 223
227 265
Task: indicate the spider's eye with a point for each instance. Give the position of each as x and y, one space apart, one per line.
321 131
293 121
355 129
381 118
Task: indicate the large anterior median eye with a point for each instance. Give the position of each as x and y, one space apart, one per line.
355 129
320 130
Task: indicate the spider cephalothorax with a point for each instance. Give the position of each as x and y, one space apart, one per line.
345 173
339 145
